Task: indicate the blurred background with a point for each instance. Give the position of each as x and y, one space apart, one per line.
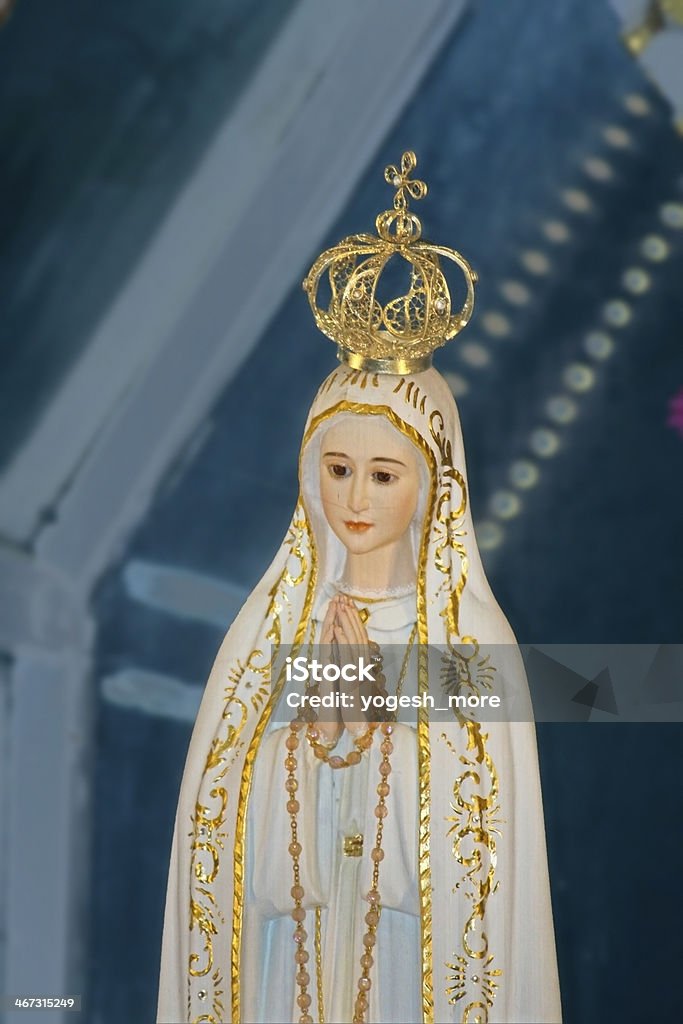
169 172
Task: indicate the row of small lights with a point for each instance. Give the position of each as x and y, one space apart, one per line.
578 377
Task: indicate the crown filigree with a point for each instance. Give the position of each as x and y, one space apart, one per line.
399 336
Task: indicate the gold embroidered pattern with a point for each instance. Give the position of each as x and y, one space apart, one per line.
463 975
474 827
209 835
448 528
474 821
327 383
465 672
361 378
424 843
209 1018
301 531
412 393
209 838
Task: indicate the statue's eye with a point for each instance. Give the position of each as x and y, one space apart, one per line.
383 477
339 470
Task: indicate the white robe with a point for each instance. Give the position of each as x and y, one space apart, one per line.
335 804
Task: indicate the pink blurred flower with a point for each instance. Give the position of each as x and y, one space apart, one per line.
675 418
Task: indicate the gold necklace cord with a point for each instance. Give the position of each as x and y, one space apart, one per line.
309 652
319 964
406 659
364 599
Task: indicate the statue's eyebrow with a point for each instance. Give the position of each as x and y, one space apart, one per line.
380 458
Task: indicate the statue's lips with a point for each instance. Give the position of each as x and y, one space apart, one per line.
357 527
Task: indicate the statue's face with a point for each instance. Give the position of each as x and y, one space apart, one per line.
369 482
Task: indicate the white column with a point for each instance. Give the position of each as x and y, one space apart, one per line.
45 733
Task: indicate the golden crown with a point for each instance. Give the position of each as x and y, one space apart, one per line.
400 336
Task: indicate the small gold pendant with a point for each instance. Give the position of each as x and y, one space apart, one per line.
353 845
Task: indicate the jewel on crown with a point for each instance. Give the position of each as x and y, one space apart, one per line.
400 335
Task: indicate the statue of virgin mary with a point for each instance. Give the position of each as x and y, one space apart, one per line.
357 868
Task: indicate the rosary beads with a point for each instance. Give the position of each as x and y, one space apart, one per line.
372 916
